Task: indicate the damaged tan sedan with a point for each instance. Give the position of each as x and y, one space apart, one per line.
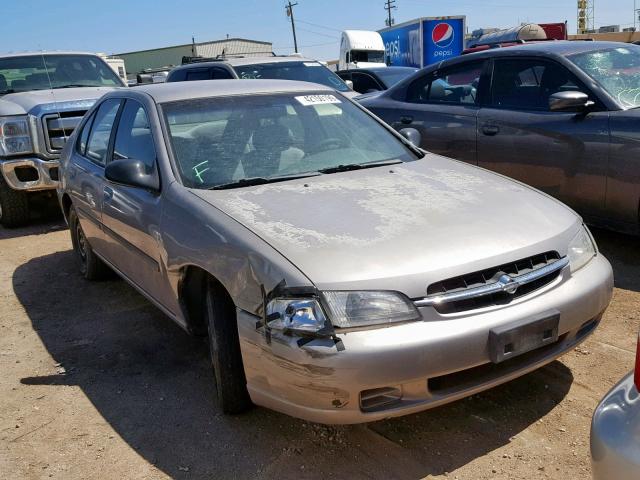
342 275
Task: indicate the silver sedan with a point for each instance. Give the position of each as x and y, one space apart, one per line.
615 430
341 274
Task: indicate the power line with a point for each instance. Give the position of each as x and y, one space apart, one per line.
318 25
317 33
388 6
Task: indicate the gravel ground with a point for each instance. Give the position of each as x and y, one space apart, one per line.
97 383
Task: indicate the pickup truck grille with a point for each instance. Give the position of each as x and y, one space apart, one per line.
491 286
58 127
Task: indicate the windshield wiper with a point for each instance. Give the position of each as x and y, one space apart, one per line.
9 90
358 166
74 85
248 182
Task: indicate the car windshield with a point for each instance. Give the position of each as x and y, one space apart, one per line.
42 72
310 71
223 140
616 69
371 56
392 75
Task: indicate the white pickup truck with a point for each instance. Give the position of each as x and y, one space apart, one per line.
43 96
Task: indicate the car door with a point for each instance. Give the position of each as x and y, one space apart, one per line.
131 215
443 105
563 153
85 171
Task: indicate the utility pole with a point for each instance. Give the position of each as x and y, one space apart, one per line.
388 6
293 24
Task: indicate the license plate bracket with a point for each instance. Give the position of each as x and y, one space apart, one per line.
522 336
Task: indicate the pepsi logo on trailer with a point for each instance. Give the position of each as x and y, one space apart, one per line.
442 38
442 35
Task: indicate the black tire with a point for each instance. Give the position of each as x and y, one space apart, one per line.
14 205
91 267
224 346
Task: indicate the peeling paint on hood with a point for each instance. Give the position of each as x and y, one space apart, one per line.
374 228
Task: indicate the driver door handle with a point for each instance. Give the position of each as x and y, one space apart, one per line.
490 130
406 119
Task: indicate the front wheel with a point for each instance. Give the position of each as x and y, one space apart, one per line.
224 346
14 205
91 267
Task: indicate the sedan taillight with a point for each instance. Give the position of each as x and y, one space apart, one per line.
636 376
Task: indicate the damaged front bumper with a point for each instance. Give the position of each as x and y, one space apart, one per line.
30 174
397 370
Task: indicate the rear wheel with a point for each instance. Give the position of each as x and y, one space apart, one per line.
91 267
224 346
14 205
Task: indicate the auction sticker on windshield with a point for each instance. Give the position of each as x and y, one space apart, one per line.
307 100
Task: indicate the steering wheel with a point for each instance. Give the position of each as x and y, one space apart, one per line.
327 144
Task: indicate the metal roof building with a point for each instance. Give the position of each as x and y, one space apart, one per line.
157 58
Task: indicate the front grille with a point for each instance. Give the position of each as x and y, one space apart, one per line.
489 276
58 127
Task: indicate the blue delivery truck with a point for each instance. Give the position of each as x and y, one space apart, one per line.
423 41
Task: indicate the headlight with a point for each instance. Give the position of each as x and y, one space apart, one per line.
15 138
581 249
302 315
357 309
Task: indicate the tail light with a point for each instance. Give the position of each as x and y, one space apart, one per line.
636 376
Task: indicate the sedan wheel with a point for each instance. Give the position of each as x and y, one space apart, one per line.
224 345
91 267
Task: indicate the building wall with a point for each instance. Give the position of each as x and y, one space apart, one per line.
230 47
136 62
609 37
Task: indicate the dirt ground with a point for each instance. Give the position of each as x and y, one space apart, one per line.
97 383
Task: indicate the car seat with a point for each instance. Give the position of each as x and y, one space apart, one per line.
269 142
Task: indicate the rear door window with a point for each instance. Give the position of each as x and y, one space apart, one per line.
98 143
527 84
81 146
212 73
457 85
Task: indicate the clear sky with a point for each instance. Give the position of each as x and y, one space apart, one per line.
114 27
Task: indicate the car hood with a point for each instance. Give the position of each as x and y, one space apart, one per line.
400 227
25 102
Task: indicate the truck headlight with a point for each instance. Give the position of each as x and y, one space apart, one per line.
581 249
363 308
300 315
15 137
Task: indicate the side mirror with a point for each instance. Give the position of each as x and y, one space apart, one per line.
412 135
569 101
349 84
132 173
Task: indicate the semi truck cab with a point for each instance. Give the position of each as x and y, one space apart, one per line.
361 49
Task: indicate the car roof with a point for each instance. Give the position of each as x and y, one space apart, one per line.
237 61
53 52
213 63
552 47
379 69
174 91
